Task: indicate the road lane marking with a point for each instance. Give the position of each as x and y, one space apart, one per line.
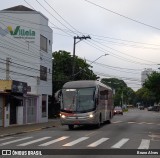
141 123
76 141
144 144
54 141
131 122
6 138
14 141
33 141
120 143
150 123
98 142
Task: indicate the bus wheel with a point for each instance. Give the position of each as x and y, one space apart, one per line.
71 127
109 121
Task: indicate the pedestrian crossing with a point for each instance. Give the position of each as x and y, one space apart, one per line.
120 143
98 142
47 141
144 144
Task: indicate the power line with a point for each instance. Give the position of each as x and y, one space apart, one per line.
62 17
125 78
53 15
104 65
124 53
121 52
126 17
114 55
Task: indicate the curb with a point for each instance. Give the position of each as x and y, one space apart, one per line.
37 129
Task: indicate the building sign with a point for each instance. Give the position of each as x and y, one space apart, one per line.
19 32
5 85
13 86
19 87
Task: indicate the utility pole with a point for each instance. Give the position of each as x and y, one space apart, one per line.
7 68
74 47
122 97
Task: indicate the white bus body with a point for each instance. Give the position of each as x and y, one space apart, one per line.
86 102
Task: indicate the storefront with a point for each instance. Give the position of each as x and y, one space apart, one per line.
11 102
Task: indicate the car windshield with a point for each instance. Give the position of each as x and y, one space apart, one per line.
79 100
118 108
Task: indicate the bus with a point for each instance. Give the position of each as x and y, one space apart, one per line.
86 102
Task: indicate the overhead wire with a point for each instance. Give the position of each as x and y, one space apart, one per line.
126 17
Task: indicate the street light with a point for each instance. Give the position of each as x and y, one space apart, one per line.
74 47
90 63
98 58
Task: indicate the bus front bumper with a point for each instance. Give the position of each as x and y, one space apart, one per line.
79 120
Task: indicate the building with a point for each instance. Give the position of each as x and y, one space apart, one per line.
25 66
144 74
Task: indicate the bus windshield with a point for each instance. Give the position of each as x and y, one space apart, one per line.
78 100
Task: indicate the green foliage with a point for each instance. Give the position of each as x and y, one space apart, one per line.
145 96
62 69
123 94
153 85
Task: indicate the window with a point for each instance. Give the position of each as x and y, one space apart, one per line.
44 105
43 73
103 94
43 43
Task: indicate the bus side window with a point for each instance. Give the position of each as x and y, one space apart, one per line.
104 95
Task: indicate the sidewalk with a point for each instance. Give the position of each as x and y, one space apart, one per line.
19 129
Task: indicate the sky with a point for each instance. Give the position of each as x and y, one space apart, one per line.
127 30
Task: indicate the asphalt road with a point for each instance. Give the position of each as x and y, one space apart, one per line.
136 129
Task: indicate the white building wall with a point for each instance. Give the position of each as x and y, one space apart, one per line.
25 54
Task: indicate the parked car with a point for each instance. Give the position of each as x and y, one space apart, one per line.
118 110
141 107
156 108
150 108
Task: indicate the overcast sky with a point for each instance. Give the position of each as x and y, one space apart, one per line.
128 30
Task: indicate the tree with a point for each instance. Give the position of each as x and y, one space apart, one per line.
145 96
153 84
62 69
123 94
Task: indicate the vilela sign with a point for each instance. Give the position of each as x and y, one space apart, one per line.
21 33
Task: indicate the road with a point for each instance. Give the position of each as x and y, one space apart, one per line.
136 129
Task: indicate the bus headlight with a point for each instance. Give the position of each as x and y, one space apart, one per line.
91 115
63 116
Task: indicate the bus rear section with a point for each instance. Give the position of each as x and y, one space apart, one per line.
82 104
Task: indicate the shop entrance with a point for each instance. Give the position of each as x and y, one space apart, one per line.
13 111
